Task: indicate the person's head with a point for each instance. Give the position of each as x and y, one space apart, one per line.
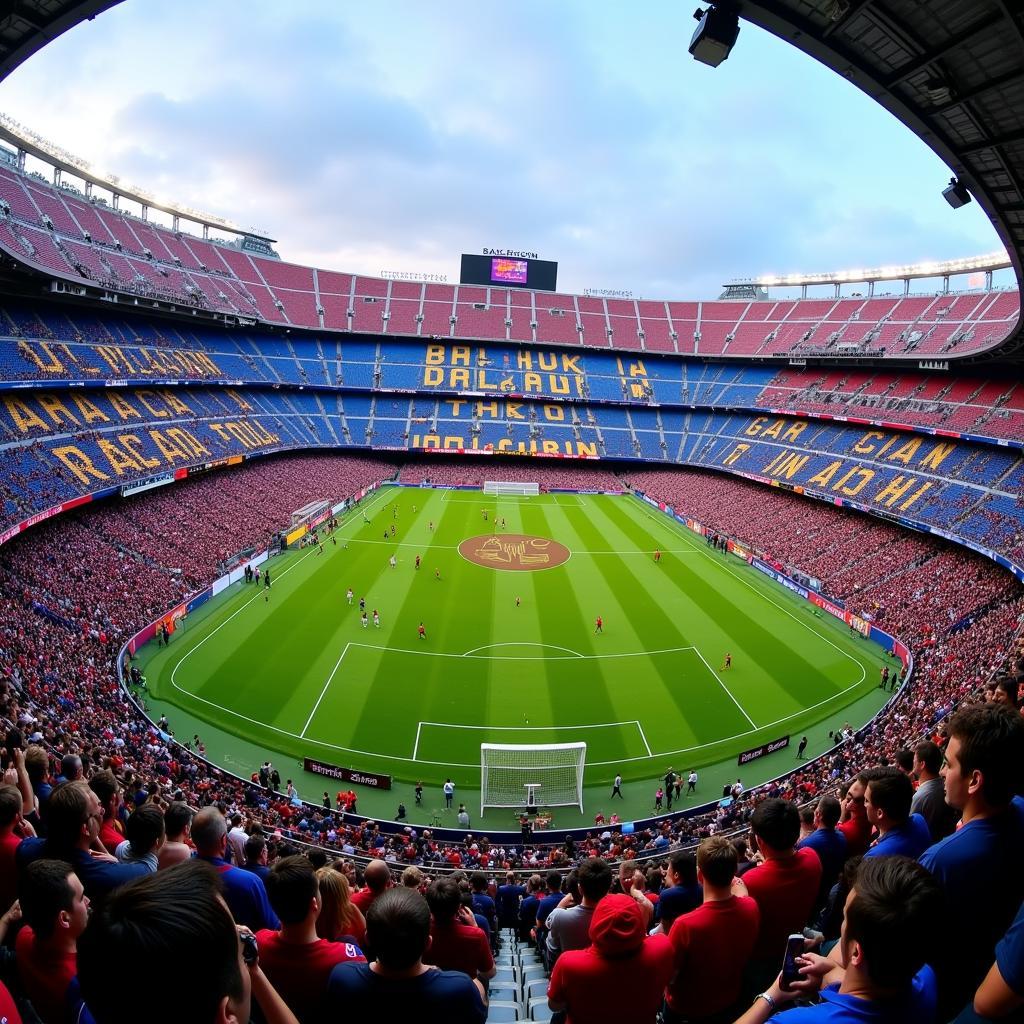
145 829
478 880
377 876
71 767
984 756
617 927
1007 691
37 764
893 913
927 759
105 785
554 882
682 869
905 760
209 832
806 818
398 928
536 884
412 877
53 901
853 802
293 890
178 821
175 918
776 826
10 805
256 850
594 877
716 862
444 897
887 798
336 908
73 816
827 812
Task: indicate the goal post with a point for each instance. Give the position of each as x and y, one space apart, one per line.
551 772
508 487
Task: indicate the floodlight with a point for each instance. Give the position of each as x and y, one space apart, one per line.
956 194
716 34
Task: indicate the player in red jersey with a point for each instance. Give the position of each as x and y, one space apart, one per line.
598 625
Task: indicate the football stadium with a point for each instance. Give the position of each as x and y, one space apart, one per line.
473 643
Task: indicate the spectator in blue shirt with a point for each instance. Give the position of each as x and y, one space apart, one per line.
528 909
892 920
978 866
1001 995
398 986
74 814
887 806
509 896
243 891
551 900
684 892
828 843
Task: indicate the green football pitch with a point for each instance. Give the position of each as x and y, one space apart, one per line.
511 655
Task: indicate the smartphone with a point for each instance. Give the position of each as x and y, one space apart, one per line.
790 968
250 950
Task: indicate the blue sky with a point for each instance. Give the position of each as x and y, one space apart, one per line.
398 135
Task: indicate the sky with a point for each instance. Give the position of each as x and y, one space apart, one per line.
397 135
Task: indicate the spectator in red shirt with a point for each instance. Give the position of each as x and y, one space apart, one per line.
620 976
854 823
12 831
376 879
297 961
105 785
55 911
713 943
784 886
457 944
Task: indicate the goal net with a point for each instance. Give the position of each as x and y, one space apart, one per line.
500 487
551 772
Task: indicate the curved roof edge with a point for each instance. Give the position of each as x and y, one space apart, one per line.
952 72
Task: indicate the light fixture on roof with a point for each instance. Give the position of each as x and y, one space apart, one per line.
715 35
938 91
956 194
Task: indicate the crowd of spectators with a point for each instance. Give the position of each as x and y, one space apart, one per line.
71 592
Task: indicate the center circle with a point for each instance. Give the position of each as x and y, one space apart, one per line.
515 552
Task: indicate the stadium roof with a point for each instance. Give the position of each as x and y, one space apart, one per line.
28 25
951 70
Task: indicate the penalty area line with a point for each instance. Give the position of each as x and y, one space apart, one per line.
718 678
302 735
647 745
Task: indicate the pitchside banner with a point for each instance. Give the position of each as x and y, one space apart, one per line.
333 771
766 748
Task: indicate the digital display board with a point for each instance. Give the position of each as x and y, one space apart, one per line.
504 271
509 271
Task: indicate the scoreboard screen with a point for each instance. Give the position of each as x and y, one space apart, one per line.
505 271
509 272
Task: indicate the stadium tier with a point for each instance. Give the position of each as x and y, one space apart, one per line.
47 228
67 345
57 446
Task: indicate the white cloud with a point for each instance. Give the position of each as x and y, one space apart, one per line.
399 135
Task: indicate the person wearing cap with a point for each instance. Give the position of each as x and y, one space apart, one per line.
620 976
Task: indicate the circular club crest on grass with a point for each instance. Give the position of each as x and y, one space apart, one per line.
515 552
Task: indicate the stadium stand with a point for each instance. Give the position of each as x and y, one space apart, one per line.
47 228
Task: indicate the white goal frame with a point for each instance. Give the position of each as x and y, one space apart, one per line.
510 487
556 769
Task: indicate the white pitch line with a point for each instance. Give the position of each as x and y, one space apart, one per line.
726 688
217 629
527 728
416 745
523 643
644 738
324 690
